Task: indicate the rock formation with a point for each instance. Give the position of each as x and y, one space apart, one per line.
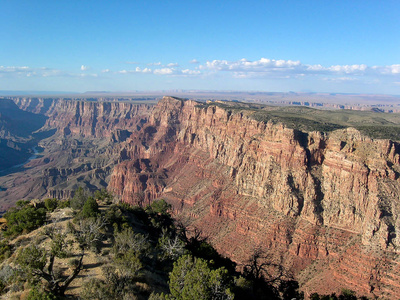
81 149
327 203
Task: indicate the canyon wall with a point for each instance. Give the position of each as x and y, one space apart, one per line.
87 118
327 204
79 142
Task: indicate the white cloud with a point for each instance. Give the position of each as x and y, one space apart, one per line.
53 73
348 69
14 69
191 72
106 71
244 65
387 70
84 68
172 65
87 75
136 70
265 67
194 61
341 79
164 71
154 64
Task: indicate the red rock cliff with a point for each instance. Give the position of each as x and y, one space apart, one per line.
86 118
327 203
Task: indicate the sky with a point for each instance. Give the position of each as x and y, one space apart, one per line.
277 46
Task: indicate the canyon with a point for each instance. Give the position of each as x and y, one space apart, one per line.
323 203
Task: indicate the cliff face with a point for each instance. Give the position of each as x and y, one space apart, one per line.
16 133
81 143
325 205
87 119
307 197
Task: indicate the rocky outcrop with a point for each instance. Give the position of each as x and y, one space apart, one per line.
324 202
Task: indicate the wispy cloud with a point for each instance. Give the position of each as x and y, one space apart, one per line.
261 69
145 70
341 79
24 71
191 72
265 67
136 70
164 71
14 69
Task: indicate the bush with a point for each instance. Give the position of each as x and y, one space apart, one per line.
129 263
159 207
90 209
38 294
103 196
51 204
158 215
128 240
192 278
171 246
64 204
113 286
24 218
96 288
113 215
5 250
79 199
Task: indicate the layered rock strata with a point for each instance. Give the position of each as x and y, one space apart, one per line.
87 118
84 147
327 204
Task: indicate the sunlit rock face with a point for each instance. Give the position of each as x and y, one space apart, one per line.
328 204
325 205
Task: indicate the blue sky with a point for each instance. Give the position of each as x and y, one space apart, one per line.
321 46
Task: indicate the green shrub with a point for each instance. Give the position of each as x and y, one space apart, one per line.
90 209
192 278
104 196
96 288
159 207
64 204
5 250
79 199
113 215
38 294
51 204
23 218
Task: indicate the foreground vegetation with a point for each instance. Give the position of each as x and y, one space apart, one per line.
90 248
